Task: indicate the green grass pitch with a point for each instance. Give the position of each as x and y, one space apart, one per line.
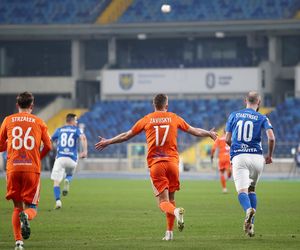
122 214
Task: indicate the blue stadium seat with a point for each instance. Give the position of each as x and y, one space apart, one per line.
50 12
213 10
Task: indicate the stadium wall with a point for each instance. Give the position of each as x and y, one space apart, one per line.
38 85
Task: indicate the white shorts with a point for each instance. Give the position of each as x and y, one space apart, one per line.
61 166
246 170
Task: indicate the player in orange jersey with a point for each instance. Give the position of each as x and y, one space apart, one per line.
21 135
161 134
224 159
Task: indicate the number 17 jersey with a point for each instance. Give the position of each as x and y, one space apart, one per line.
67 141
246 126
161 135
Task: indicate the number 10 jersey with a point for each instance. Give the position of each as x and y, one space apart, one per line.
246 126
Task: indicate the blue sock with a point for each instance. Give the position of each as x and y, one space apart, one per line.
244 201
56 193
69 177
253 201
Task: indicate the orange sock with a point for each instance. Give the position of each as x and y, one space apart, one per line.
223 181
31 212
15 220
167 207
170 219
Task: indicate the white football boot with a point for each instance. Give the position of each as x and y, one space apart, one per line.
66 187
251 233
168 236
58 204
248 219
178 212
19 245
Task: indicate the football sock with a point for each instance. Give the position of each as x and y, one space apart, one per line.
253 201
56 190
223 180
170 219
167 207
69 178
244 201
16 223
31 212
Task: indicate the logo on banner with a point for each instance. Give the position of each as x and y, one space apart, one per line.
126 81
210 80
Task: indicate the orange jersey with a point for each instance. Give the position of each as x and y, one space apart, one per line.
23 133
224 149
161 135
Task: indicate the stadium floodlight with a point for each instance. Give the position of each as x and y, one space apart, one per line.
219 34
142 36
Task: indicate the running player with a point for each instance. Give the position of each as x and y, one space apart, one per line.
224 159
66 159
161 135
244 136
21 134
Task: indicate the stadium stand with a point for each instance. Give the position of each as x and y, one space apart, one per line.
51 12
99 121
285 119
213 10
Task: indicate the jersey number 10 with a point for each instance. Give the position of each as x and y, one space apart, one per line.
245 130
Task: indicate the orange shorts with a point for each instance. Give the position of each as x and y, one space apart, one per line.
223 165
164 175
23 186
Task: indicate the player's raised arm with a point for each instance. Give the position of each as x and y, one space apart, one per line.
271 145
103 143
199 132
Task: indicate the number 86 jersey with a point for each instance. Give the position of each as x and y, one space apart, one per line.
246 126
23 133
161 135
67 141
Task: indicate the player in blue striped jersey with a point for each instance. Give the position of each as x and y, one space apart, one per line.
67 139
243 135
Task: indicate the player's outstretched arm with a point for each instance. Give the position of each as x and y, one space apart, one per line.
199 132
271 146
103 143
84 144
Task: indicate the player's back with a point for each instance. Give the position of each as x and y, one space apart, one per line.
161 135
24 136
246 126
67 141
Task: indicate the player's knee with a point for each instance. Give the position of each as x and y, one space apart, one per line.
251 189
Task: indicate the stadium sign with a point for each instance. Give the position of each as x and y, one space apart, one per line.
185 81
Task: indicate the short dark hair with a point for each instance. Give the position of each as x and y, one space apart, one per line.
160 101
25 99
253 97
70 117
